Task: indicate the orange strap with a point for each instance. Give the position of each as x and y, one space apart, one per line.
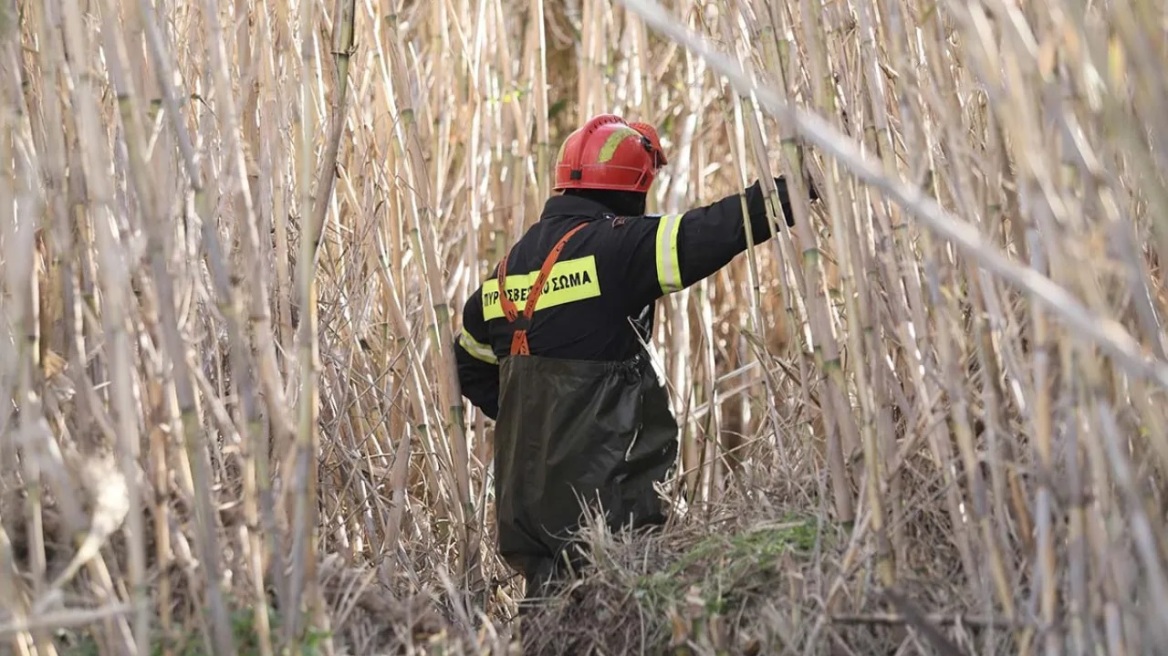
519 337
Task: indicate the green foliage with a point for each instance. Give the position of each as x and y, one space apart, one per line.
727 568
191 642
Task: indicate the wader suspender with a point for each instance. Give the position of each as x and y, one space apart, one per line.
519 337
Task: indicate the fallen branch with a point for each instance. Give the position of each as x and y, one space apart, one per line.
940 619
920 622
67 617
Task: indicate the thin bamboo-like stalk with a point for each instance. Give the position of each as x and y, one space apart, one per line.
22 336
187 427
838 418
879 132
134 134
683 172
408 142
242 141
302 579
543 147
766 181
115 306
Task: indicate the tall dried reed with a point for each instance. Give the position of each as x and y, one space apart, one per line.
237 237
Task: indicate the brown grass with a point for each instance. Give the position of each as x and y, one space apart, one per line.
238 236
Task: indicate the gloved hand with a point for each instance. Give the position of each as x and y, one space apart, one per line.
785 196
812 191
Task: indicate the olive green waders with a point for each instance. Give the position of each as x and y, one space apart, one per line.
570 434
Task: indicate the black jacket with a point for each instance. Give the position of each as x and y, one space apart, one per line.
606 279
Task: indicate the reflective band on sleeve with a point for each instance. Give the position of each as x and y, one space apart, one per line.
668 266
477 350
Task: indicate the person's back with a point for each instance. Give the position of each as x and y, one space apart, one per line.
579 412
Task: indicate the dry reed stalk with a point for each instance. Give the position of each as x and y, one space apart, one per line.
877 131
187 425
854 331
758 149
677 334
21 337
777 42
247 156
302 595
113 281
455 466
130 112
543 147
810 288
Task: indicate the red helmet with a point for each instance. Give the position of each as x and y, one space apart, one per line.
609 153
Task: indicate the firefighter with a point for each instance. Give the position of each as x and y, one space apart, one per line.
551 343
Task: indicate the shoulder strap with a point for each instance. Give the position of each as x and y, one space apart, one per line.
519 337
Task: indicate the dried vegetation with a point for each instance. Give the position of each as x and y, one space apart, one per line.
237 235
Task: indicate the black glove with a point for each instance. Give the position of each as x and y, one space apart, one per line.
812 191
785 197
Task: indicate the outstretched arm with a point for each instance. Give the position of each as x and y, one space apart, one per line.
688 247
478 367
702 241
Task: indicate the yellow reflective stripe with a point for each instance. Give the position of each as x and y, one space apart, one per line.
569 281
477 350
560 154
668 266
614 141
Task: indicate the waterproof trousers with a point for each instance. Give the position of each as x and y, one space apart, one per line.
573 434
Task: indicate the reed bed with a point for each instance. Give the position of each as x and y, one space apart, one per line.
237 236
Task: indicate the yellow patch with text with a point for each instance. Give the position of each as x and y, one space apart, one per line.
569 281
